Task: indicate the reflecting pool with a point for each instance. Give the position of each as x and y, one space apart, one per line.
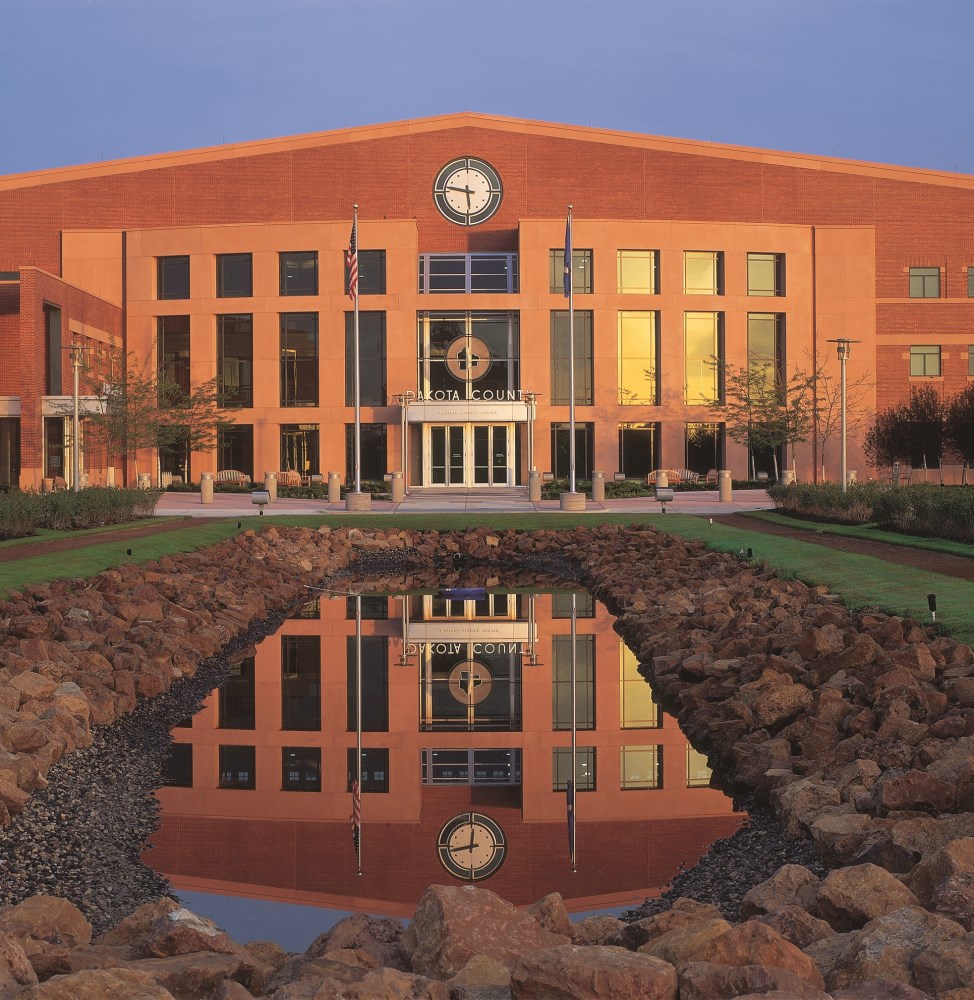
466 737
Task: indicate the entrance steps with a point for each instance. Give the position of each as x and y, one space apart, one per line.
450 499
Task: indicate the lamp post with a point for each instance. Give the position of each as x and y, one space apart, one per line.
843 348
77 351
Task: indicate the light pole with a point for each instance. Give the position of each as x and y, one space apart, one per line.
77 351
843 348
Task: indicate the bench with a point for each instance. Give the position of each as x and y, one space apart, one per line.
231 476
289 478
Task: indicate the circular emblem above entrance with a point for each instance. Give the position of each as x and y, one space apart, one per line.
468 359
470 682
467 191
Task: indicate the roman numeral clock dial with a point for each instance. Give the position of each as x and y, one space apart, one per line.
467 191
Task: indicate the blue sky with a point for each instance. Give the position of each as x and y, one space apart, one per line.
881 80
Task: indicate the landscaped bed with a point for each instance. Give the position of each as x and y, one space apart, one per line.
857 728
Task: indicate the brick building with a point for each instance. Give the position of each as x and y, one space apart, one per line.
228 263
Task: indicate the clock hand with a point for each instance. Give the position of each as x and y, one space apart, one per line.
464 847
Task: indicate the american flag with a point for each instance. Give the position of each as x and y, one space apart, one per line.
568 257
356 815
351 262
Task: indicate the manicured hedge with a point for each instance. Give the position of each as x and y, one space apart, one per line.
22 513
925 509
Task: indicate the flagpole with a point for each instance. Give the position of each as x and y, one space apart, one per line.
358 393
570 271
574 818
358 714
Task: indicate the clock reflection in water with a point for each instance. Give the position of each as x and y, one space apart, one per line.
472 846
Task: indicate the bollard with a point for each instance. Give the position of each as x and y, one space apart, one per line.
47 485
334 487
270 486
145 481
724 489
787 477
534 486
662 478
110 476
851 479
398 487
598 486
206 487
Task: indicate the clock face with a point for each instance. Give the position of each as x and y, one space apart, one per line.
467 191
471 846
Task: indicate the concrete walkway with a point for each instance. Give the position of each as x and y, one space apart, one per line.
432 501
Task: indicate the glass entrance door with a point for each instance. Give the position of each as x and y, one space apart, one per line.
470 455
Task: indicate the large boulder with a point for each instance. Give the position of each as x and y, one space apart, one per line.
454 923
754 943
945 965
181 932
706 981
15 967
681 914
850 897
551 914
381 937
689 943
955 858
594 973
790 885
99 984
797 925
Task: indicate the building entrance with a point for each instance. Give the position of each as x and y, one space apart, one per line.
469 455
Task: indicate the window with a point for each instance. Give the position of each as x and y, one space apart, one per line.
372 452
299 273
698 770
638 272
375 683
235 448
301 682
237 697
581 271
299 449
561 693
704 447
178 769
765 341
970 361
638 351
375 769
468 355
970 282
301 769
371 272
469 273
765 274
372 358
637 710
471 767
235 359
703 272
172 277
375 607
173 345
561 768
238 766
704 353
234 276
53 349
638 449
925 361
299 359
584 375
561 450
561 605
925 282
641 767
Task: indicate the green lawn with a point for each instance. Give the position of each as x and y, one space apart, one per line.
861 581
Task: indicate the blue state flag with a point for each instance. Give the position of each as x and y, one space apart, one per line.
570 803
568 257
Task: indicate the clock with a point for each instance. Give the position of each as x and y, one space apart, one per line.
471 846
467 191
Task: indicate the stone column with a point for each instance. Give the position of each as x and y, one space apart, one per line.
206 487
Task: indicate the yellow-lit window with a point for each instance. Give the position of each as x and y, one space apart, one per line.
637 358
637 710
698 771
637 272
641 767
765 273
703 272
703 355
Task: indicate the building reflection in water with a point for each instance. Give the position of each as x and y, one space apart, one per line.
466 708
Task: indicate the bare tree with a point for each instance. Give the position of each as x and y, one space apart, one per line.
827 390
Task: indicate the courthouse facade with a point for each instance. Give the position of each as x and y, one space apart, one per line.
229 263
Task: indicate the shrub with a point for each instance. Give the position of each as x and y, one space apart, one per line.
20 514
95 506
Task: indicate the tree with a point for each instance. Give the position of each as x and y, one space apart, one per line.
190 421
959 425
912 433
762 410
827 391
